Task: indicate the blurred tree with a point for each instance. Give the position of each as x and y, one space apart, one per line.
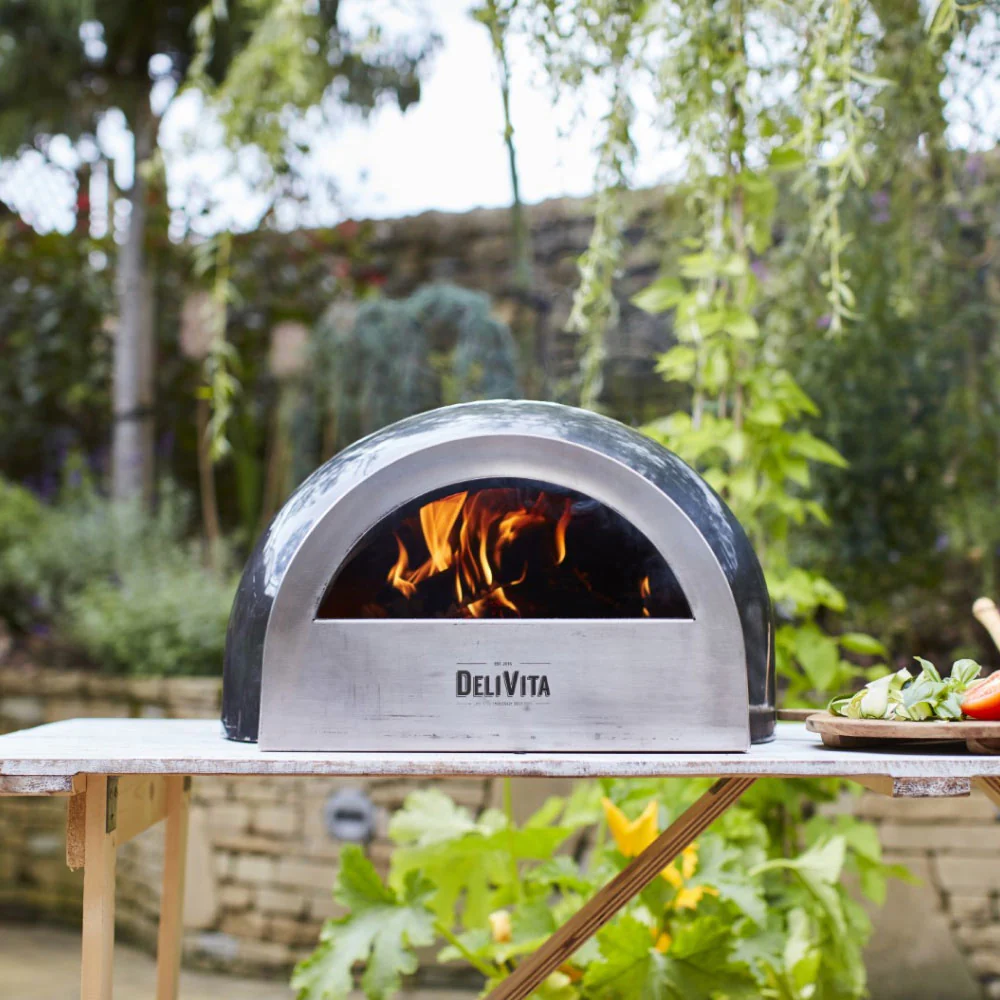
55 351
64 66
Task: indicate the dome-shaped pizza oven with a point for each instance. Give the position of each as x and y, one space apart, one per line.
502 575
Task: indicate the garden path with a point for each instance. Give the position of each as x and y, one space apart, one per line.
28 949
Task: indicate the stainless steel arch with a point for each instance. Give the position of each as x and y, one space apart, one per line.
368 685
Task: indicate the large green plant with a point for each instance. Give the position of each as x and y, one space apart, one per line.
738 914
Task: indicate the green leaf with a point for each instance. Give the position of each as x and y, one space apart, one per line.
678 364
697 965
381 931
928 668
700 265
548 813
821 864
862 644
720 867
476 866
429 816
786 158
661 295
801 956
818 656
805 444
562 872
964 672
767 414
741 324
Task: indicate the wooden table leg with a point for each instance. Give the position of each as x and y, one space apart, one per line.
171 934
624 886
98 889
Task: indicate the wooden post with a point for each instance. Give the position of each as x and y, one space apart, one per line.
624 886
99 888
171 935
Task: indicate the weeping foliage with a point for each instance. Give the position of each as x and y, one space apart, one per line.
790 102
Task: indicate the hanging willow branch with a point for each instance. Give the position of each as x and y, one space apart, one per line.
595 308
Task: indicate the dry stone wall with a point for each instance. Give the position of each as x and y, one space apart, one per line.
473 250
261 862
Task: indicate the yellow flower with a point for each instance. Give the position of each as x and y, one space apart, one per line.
662 940
500 926
631 836
689 861
689 864
634 836
688 899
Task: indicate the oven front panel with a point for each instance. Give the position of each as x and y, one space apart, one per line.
565 685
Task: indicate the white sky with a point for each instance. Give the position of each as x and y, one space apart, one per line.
445 153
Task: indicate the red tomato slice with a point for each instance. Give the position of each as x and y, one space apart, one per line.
982 700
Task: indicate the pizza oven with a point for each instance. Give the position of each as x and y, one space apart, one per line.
504 575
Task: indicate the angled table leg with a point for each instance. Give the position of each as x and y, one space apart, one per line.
990 787
171 934
624 886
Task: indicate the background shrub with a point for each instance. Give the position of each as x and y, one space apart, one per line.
122 589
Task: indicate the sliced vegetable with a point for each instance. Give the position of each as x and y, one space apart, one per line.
905 697
982 700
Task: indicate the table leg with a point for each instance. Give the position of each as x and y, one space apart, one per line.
171 933
624 886
98 891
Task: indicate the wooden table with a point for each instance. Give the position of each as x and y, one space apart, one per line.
121 776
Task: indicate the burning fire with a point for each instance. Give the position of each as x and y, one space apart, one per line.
467 536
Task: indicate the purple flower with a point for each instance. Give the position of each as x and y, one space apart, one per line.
759 269
823 322
881 202
48 486
165 447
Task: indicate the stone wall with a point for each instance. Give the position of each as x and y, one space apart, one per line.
261 862
473 250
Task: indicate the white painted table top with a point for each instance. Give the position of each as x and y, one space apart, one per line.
194 747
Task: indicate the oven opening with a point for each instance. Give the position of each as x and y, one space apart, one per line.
504 548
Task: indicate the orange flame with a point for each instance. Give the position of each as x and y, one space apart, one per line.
561 527
644 594
467 536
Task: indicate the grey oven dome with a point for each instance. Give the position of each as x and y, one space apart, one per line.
309 539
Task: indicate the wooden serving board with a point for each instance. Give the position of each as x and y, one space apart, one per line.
845 734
